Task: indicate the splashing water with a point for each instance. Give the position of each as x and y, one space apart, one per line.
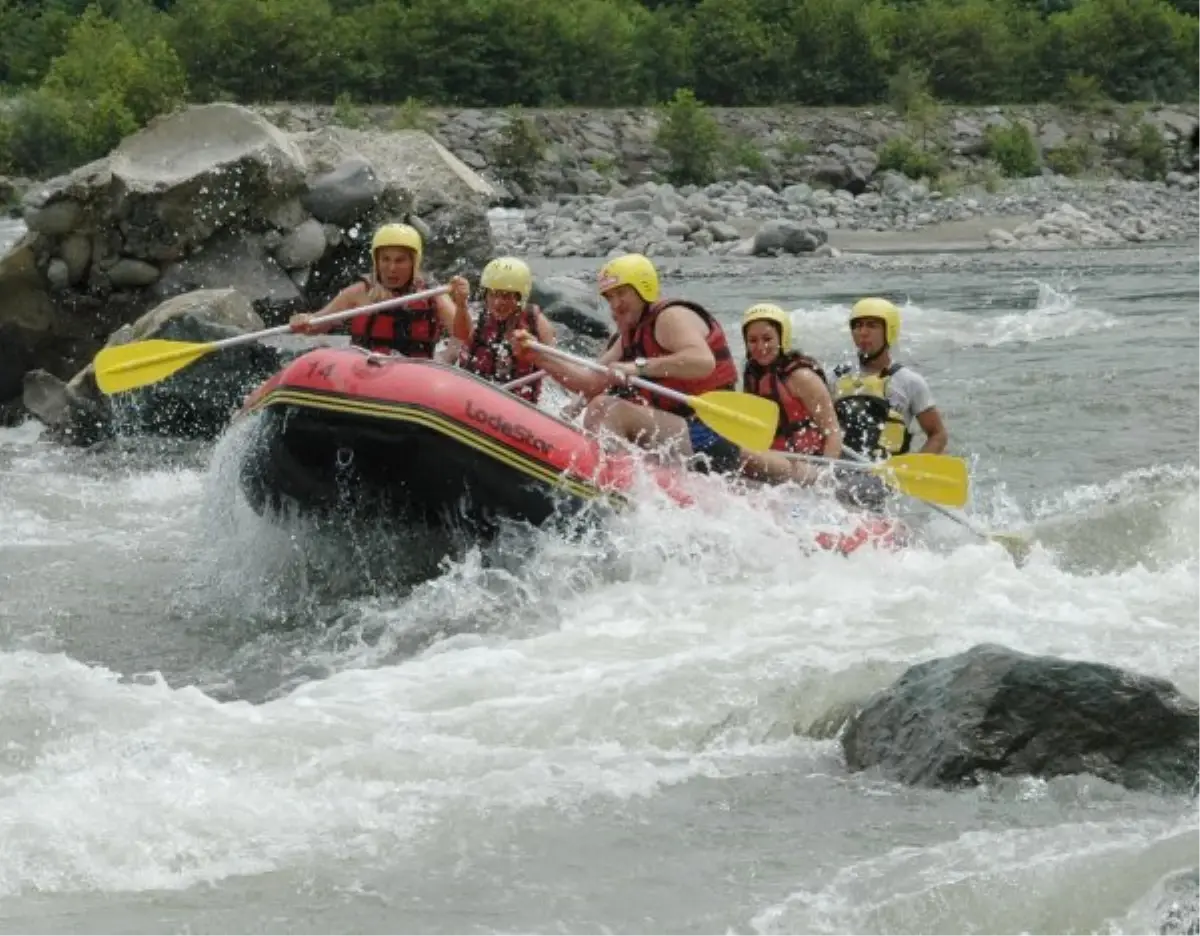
212 722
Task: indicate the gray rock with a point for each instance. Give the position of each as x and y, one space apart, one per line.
198 400
76 252
572 303
787 237
345 194
71 415
57 274
632 203
723 231
952 721
287 214
25 306
240 263
56 218
128 272
302 246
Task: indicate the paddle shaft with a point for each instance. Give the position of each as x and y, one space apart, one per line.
522 381
862 465
599 368
331 318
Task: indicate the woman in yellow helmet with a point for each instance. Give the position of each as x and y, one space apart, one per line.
796 382
488 351
413 330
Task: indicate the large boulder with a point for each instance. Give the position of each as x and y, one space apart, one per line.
951 721
573 304
781 235
168 188
27 316
216 197
363 178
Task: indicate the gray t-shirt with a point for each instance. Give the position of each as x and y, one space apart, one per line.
907 392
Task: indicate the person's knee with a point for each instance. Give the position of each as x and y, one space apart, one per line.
596 413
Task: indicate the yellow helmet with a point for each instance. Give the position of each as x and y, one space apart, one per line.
508 274
884 311
398 235
631 270
769 312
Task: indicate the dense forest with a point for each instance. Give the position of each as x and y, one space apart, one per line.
82 74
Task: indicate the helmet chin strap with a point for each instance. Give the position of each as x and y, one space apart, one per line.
868 358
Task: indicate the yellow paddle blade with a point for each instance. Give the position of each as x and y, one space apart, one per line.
940 479
129 366
746 420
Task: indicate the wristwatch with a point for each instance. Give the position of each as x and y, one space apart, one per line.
640 364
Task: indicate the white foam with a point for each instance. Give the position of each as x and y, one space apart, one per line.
1056 313
673 644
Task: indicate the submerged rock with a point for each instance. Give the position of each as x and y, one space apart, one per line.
951 721
194 402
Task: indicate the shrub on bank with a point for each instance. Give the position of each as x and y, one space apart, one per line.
1013 149
692 139
904 155
101 88
1073 158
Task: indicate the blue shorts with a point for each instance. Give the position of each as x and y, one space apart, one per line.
711 452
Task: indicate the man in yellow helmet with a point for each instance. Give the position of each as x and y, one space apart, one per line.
413 330
673 342
878 401
506 283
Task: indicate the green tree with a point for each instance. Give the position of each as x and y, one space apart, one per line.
268 50
1138 49
493 53
733 52
827 53
126 82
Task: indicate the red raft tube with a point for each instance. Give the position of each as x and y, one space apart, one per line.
344 431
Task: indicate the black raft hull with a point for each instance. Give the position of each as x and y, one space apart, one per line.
337 433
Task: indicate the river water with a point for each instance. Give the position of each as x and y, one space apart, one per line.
208 723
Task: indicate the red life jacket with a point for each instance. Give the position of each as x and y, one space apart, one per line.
489 351
412 330
643 344
796 430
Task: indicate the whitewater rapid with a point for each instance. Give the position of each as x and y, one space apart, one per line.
207 721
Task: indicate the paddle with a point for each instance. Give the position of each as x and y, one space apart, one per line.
1014 544
522 381
129 366
936 479
745 420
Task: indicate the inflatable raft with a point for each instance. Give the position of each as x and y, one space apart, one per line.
346 431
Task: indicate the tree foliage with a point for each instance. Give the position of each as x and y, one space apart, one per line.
108 65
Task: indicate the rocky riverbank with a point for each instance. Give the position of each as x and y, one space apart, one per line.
538 154
746 219
592 182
